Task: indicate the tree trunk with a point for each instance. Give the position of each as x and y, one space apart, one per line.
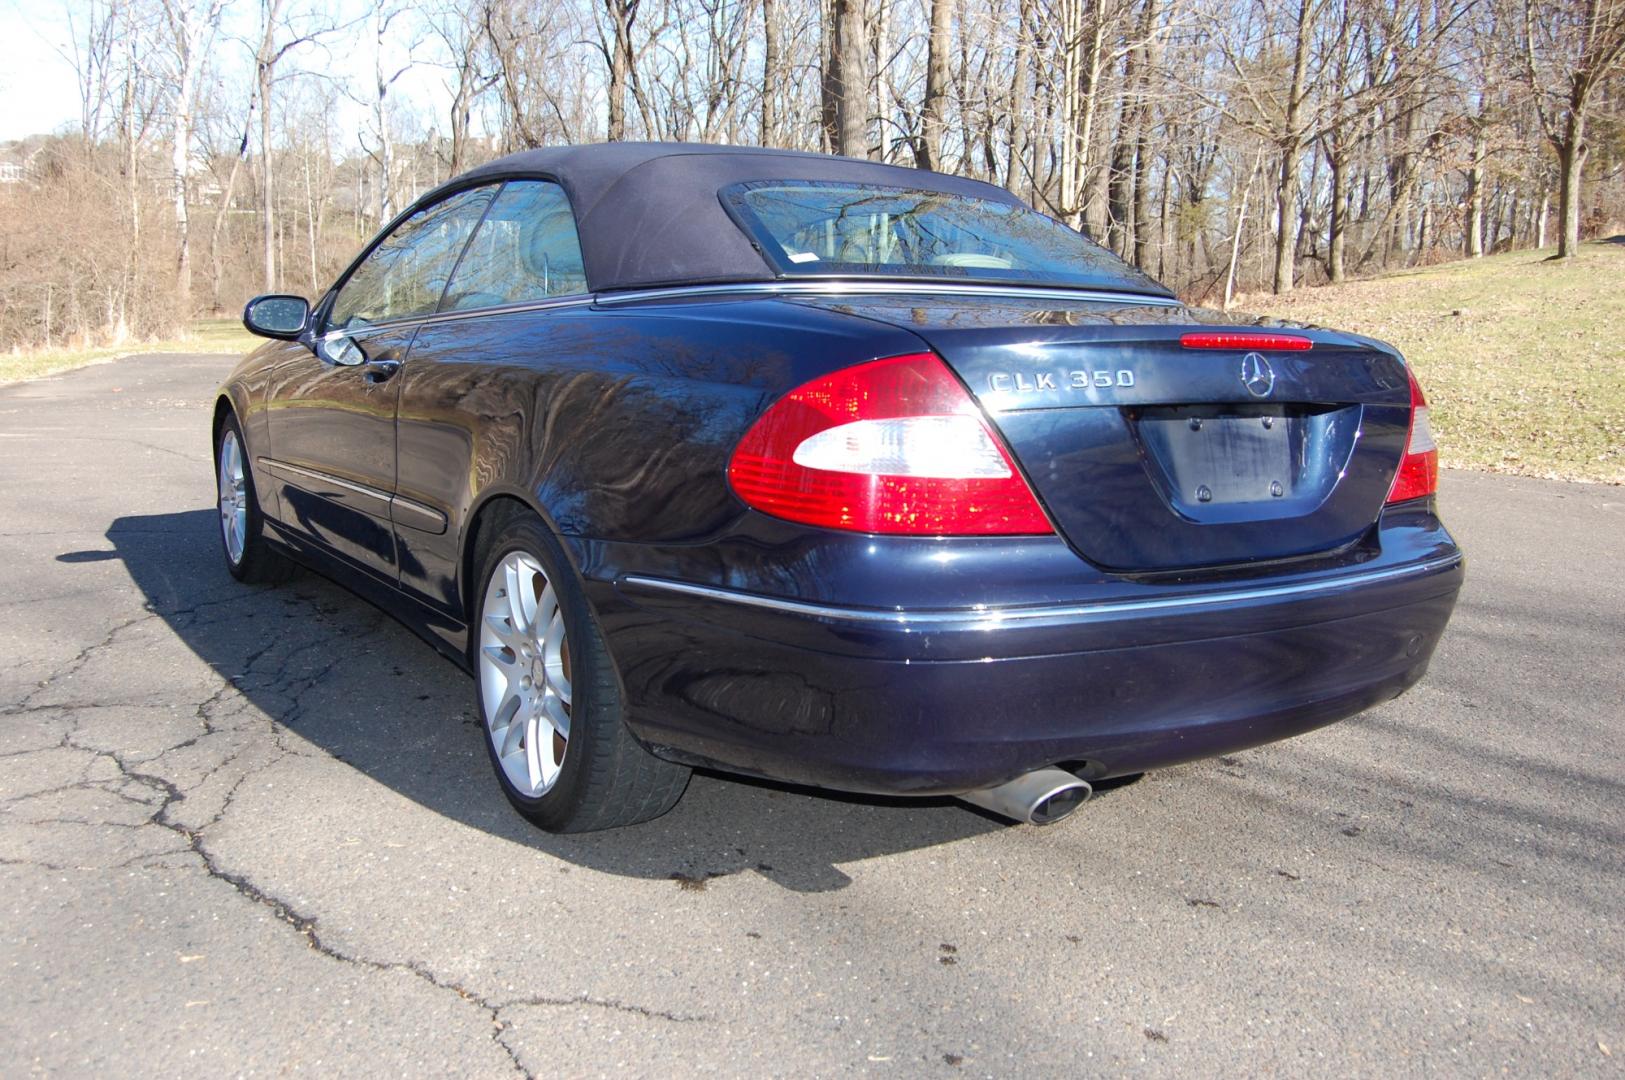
189 30
622 13
1571 155
1286 217
829 83
1164 204
1474 229
267 185
936 87
1142 190
1118 182
223 212
1019 109
1142 138
1286 236
1119 185
772 79
1084 47
1337 246
879 31
850 85
181 133
1235 237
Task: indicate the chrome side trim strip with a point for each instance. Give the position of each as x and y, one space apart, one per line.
415 515
895 287
398 508
327 478
286 470
983 615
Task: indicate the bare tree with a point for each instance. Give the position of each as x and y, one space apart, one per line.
617 50
846 79
772 75
1228 145
460 27
386 71
936 87
1570 49
191 25
279 34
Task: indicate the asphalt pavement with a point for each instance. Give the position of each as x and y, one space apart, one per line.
251 831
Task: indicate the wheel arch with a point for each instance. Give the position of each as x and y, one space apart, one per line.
492 508
222 406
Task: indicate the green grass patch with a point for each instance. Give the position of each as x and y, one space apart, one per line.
1523 360
203 336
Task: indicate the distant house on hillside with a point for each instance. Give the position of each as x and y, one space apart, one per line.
17 161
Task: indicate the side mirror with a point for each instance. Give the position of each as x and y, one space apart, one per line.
277 316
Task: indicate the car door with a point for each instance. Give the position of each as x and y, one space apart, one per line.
332 415
473 382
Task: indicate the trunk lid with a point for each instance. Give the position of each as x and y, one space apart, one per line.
1152 457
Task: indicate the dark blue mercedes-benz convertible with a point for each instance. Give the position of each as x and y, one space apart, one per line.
833 472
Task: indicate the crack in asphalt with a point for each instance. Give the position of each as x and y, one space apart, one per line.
75 663
608 1003
163 795
170 794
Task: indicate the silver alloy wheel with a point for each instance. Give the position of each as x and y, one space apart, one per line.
525 674
233 497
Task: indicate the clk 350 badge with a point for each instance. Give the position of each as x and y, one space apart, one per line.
1020 382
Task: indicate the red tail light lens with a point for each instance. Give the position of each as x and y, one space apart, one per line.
1241 339
892 446
1418 473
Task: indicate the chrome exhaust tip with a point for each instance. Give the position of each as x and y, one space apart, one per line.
1041 797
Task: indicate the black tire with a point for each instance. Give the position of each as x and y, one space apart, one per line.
259 563
605 778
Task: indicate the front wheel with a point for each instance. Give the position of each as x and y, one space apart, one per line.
249 556
547 695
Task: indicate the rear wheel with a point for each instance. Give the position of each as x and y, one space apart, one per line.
249 556
547 695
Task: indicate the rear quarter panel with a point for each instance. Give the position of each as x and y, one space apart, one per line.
616 423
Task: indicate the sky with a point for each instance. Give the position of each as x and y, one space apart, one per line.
37 90
39 93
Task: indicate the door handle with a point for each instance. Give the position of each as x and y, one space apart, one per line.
381 370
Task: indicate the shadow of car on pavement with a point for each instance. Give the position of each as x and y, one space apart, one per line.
334 670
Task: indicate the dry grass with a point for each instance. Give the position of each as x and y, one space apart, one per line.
204 336
1523 360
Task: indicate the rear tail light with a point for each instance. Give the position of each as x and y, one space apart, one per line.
1418 473
890 446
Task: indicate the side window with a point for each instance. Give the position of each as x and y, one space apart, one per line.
526 249
407 272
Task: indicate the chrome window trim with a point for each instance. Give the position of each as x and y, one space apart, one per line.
761 288
361 332
881 286
982 615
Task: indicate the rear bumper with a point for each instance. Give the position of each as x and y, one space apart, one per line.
950 699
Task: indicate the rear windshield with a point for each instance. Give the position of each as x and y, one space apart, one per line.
821 229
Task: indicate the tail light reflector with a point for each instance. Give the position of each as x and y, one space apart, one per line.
1418 473
1241 339
891 446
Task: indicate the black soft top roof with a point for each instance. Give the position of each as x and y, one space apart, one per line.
649 213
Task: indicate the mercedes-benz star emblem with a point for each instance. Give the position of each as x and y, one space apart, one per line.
1257 375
